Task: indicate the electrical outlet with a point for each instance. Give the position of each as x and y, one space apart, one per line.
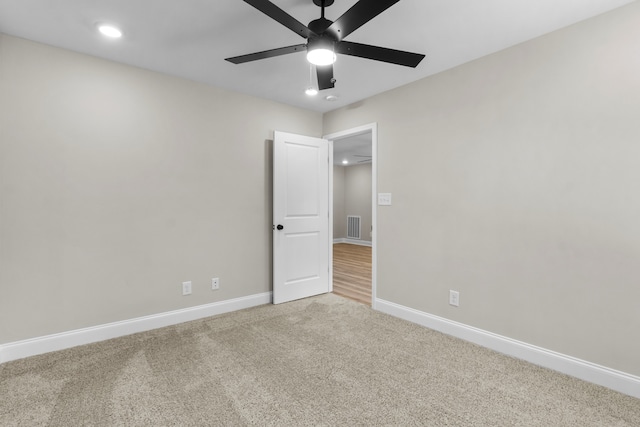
215 284
186 288
454 298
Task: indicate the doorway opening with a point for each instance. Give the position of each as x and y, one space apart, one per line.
352 188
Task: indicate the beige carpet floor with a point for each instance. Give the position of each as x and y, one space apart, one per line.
323 361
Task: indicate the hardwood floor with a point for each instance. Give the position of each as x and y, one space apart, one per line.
352 272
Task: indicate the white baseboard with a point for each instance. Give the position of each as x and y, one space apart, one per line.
64 340
587 371
352 242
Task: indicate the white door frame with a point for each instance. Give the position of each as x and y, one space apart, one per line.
373 128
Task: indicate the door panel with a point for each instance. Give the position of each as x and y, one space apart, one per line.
303 256
302 190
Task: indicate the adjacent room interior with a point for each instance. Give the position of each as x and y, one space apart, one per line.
353 217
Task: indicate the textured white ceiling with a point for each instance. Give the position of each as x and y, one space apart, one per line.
191 38
354 149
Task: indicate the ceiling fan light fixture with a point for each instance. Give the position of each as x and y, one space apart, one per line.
321 57
320 52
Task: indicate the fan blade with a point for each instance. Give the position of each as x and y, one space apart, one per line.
267 54
325 77
359 14
277 14
399 57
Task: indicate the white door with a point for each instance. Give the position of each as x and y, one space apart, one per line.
300 217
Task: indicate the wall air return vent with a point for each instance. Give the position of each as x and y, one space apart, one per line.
353 227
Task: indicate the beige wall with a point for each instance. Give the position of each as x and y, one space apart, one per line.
117 184
339 226
357 196
518 174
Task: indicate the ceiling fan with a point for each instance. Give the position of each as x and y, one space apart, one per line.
325 38
366 159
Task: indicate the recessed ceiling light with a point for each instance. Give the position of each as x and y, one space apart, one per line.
311 91
331 97
110 31
345 162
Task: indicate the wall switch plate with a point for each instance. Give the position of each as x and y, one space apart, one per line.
186 288
215 284
384 199
454 298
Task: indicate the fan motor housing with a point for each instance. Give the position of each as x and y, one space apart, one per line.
320 25
321 3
